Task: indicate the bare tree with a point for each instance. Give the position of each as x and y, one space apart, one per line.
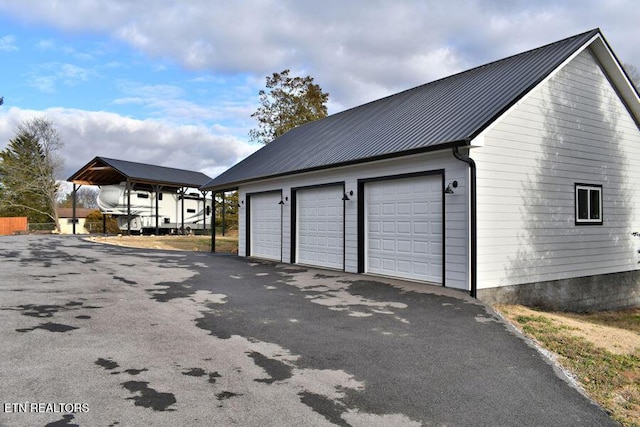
29 168
86 197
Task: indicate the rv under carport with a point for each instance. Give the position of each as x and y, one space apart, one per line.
102 171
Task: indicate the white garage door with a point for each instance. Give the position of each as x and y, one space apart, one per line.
404 228
266 226
320 227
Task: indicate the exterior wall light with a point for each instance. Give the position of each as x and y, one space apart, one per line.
450 187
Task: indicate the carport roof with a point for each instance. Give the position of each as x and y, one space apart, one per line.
445 113
105 171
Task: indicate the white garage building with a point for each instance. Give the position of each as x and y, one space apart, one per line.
515 181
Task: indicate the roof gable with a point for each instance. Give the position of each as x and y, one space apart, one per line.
441 114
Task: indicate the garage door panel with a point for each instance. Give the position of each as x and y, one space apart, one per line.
421 228
266 226
421 268
403 208
320 227
389 227
388 209
404 228
389 245
404 246
420 208
421 248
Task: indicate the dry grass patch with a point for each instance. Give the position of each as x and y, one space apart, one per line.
601 350
226 244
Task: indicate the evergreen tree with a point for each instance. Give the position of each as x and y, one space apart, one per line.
28 166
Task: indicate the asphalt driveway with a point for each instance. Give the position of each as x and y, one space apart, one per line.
98 335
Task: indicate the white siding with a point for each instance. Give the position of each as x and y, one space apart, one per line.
456 213
572 129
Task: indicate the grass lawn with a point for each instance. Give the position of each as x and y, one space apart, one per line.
226 244
601 350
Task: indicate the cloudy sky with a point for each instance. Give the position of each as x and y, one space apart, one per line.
174 83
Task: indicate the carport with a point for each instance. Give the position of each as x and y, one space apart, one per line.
137 176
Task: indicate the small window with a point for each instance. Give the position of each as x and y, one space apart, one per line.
588 204
191 211
143 196
159 196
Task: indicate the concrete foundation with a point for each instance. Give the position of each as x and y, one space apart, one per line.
590 293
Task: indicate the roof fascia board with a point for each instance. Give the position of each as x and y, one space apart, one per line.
163 184
231 186
478 140
617 76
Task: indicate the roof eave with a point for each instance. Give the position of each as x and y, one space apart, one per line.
234 185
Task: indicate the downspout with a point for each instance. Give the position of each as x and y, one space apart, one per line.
473 220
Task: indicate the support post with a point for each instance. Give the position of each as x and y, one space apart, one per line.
224 208
204 212
213 222
74 217
129 208
156 190
182 193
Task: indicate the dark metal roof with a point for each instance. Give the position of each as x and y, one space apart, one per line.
105 171
444 113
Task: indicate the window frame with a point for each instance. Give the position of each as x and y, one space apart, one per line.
589 188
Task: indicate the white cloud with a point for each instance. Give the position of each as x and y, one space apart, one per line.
172 104
87 134
49 75
358 49
7 43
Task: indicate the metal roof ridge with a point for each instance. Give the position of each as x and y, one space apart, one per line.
477 67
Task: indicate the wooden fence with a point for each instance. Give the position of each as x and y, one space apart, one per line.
11 225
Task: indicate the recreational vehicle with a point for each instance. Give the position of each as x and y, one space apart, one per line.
180 212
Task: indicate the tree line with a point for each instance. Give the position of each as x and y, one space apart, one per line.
31 162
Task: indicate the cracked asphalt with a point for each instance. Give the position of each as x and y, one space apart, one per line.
138 337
